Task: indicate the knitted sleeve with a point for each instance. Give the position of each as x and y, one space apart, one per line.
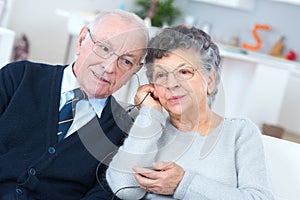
139 149
10 78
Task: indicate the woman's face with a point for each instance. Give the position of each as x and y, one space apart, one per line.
179 82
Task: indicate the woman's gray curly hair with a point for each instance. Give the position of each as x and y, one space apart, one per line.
182 37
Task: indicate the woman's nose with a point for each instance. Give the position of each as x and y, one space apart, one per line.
172 81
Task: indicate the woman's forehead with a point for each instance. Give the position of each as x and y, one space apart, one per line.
179 56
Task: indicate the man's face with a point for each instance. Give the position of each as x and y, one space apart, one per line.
99 76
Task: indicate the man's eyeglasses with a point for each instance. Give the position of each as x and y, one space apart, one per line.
104 51
182 73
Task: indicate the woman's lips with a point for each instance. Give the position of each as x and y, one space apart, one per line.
99 78
175 99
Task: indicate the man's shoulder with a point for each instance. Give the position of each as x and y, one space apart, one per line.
28 65
117 108
25 70
119 114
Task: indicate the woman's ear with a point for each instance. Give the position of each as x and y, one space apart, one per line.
154 94
211 82
81 38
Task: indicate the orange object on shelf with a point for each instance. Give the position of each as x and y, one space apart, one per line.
278 48
256 37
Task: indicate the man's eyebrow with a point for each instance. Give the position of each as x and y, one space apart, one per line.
108 44
129 55
105 41
132 55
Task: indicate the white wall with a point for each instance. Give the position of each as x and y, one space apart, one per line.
281 17
6 45
290 113
5 12
44 28
47 31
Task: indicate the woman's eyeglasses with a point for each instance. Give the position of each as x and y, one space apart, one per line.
182 73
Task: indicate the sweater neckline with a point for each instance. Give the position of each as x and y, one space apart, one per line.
214 131
208 141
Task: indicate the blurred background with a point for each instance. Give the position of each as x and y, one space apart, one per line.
46 23
261 77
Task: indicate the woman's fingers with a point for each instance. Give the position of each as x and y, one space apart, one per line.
164 181
145 97
146 172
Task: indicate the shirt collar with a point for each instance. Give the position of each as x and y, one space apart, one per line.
69 82
98 105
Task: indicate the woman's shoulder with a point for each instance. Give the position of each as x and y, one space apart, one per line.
239 121
241 127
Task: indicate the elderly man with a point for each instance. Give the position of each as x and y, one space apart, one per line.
57 123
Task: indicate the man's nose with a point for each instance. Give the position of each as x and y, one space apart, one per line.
111 63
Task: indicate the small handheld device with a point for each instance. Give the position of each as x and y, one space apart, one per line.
144 174
151 168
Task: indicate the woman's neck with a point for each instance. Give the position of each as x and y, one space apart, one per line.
202 122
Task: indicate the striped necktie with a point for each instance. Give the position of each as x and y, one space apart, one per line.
66 114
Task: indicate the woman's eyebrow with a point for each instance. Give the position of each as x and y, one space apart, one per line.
181 65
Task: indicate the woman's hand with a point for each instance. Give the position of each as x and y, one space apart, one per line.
164 179
146 96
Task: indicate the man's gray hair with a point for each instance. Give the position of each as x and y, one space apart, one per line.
125 16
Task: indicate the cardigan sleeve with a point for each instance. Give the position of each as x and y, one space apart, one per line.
10 78
139 149
97 192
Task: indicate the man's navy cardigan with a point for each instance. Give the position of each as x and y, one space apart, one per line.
33 165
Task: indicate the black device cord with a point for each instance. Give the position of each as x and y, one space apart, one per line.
127 187
107 189
131 107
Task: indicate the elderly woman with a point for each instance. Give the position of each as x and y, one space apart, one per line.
193 153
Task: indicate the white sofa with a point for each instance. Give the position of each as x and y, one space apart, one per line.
6 45
284 163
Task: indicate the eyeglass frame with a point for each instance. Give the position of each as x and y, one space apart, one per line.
179 78
111 53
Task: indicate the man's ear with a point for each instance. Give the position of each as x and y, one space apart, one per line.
211 82
81 38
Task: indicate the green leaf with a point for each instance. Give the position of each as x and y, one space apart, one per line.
165 11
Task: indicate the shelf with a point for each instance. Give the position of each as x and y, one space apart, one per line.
255 57
294 2
237 4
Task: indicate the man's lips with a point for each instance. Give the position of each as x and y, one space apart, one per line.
100 78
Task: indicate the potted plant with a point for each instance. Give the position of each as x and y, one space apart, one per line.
161 12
